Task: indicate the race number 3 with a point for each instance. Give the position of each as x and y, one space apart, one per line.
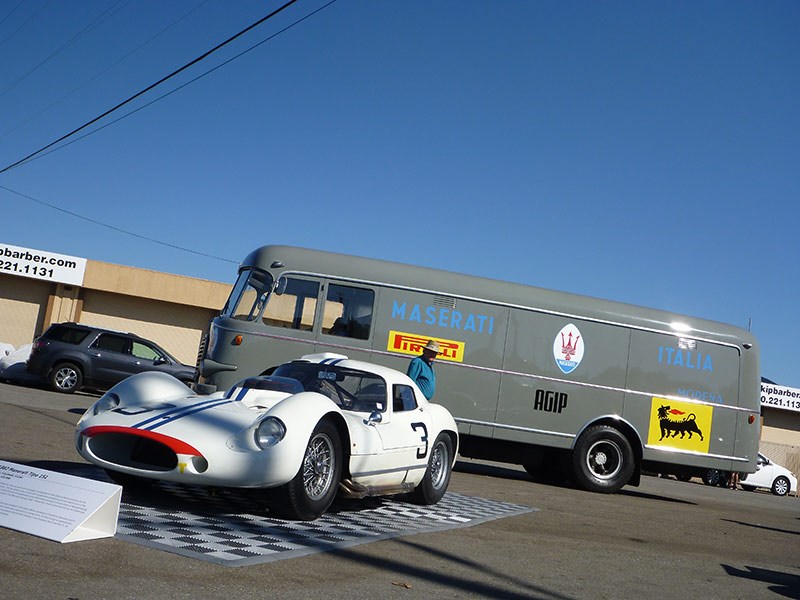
423 438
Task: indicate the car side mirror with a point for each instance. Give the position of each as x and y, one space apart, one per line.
375 417
160 361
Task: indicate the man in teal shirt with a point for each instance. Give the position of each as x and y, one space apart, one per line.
421 369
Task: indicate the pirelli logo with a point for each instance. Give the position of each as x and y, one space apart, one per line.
412 344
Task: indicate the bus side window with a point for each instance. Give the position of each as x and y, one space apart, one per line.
294 308
348 311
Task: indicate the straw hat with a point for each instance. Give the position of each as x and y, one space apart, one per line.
433 345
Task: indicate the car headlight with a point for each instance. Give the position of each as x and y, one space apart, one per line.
105 403
269 432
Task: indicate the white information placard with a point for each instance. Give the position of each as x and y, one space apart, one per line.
55 506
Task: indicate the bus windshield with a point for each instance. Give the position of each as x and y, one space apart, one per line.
249 295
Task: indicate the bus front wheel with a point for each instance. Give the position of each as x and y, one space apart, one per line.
602 460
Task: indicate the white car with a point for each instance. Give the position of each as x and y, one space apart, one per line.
316 426
779 480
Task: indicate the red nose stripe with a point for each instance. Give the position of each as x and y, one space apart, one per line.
175 445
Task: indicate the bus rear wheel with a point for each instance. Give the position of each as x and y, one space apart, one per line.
602 460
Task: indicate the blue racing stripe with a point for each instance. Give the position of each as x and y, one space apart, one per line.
174 410
331 361
188 411
178 410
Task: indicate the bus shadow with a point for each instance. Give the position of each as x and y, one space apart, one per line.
554 479
783 584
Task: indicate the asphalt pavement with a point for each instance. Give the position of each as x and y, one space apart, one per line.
663 539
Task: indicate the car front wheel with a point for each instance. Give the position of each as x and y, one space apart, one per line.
314 487
66 378
437 476
780 487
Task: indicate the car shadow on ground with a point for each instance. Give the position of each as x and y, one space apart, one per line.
207 500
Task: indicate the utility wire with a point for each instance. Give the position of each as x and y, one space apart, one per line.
180 87
21 27
97 20
108 68
150 87
117 229
11 12
113 228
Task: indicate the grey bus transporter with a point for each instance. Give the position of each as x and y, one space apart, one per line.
548 380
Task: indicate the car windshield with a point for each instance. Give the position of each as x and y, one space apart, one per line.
271 384
351 389
249 295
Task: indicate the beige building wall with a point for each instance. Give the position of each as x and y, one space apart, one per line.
175 327
172 310
23 304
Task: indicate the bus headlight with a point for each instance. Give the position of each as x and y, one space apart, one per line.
269 432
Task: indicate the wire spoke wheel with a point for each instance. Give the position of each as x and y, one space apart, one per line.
318 466
437 475
312 490
439 465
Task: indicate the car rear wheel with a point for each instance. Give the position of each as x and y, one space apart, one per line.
66 378
437 476
314 487
780 487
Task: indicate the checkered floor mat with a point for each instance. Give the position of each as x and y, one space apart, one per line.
234 528
228 528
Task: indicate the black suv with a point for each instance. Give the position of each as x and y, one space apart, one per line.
72 356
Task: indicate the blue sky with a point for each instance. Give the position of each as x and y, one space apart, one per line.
645 152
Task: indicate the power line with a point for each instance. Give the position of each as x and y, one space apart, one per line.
108 68
191 81
117 229
150 87
95 22
130 233
21 27
11 12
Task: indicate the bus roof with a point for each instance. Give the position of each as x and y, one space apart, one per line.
280 260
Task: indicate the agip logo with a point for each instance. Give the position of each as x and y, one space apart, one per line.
680 425
412 344
568 348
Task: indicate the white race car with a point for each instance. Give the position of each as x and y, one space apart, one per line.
316 426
